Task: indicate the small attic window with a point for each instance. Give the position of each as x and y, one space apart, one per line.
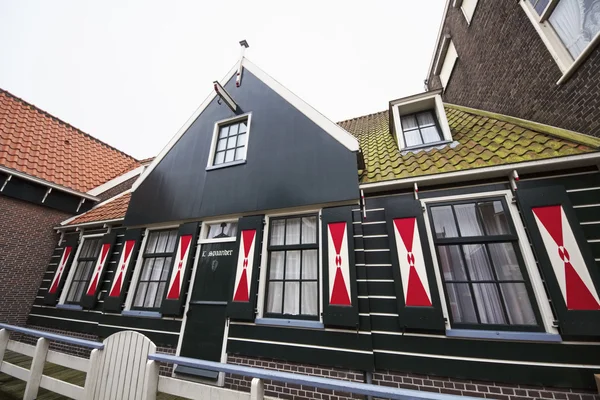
420 121
230 142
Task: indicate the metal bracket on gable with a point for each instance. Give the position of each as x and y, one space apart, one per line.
238 78
222 93
46 195
5 182
514 178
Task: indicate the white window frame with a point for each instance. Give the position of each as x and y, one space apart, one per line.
421 102
138 266
213 144
466 12
531 268
554 44
446 61
63 296
262 284
204 231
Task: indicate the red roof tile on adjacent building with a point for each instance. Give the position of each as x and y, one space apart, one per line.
38 144
113 209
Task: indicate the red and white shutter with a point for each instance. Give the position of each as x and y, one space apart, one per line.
115 297
242 298
58 279
181 269
340 303
417 297
565 258
90 296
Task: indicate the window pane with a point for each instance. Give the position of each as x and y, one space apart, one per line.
291 302
505 261
79 293
274 298
309 230
494 218
223 132
241 140
221 144
430 134
488 303
426 119
72 291
88 270
224 229
151 295
292 231
310 264
518 304
576 23
147 269
461 303
277 232
443 221
172 242
231 142
220 158
79 271
139 296
157 269
309 298
165 270
292 264
408 122
240 153
229 155
243 128
466 215
451 260
412 138
478 262
539 5
276 267
160 294
151 243
161 245
233 129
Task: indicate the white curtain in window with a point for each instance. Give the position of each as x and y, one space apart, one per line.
576 22
292 231
277 232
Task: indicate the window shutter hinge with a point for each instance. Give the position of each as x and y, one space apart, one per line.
555 323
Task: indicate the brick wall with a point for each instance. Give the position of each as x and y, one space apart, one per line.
436 384
117 189
503 66
27 241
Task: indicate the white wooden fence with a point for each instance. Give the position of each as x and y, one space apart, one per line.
126 366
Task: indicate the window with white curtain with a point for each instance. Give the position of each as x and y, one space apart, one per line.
293 268
86 260
485 281
157 259
420 128
221 230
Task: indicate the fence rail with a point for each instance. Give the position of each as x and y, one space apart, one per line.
134 353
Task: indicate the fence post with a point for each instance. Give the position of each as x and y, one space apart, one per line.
151 379
4 336
257 389
37 368
91 376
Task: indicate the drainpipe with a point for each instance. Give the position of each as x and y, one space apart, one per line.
369 380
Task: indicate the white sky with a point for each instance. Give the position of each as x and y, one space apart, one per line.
132 72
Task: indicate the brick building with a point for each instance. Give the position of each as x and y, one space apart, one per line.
502 59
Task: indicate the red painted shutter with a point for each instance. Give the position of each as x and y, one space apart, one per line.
340 302
62 269
565 259
90 296
115 297
242 302
419 306
180 270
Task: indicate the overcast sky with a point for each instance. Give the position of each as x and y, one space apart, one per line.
132 72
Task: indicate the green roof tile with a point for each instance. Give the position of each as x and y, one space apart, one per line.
482 139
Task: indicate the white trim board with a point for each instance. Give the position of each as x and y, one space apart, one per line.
337 132
116 181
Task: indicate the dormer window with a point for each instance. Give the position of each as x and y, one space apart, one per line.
420 128
419 121
230 142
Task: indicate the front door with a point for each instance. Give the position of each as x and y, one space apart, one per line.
205 326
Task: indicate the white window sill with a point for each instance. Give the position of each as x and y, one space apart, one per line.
428 146
225 165
504 335
69 307
296 323
139 313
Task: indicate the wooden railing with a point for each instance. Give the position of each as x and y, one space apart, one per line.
126 366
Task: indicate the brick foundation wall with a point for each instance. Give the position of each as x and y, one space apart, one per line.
503 66
27 241
436 384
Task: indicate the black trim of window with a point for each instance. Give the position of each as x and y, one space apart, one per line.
486 239
295 247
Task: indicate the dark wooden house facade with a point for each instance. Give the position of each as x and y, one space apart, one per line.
429 246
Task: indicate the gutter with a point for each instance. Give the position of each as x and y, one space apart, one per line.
40 181
551 164
84 224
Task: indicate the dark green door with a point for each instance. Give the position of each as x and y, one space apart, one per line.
205 325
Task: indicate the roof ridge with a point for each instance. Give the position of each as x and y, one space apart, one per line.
362 116
561 133
66 124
